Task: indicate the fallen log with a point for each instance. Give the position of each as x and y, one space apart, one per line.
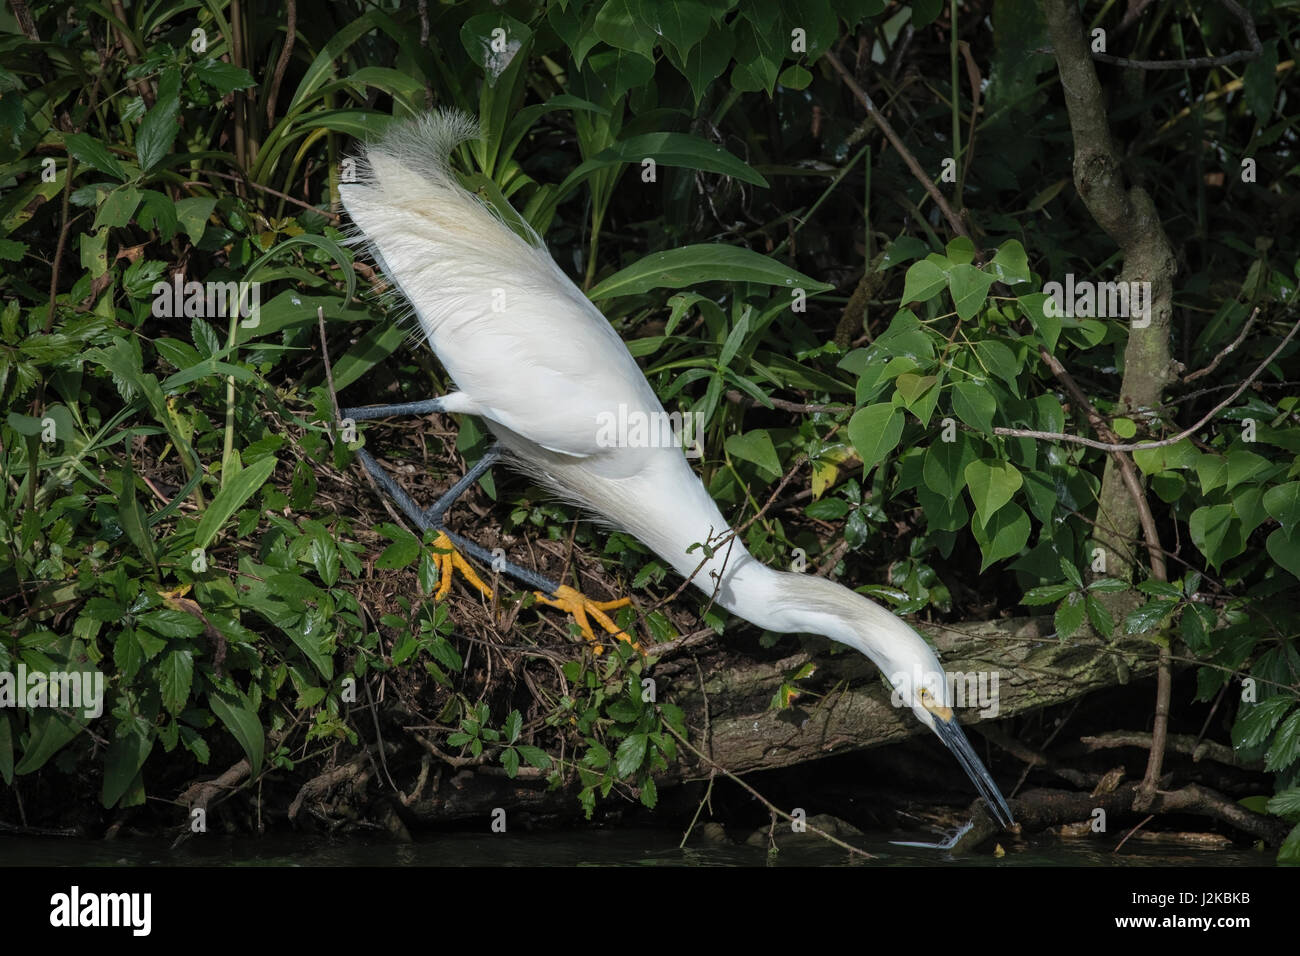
843 707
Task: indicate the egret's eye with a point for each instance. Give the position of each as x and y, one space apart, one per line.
926 697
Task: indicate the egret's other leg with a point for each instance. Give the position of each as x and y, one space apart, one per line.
448 546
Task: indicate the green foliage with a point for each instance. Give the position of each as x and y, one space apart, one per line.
168 509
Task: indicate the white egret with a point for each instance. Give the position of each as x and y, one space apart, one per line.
539 364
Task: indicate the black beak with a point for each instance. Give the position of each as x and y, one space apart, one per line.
951 734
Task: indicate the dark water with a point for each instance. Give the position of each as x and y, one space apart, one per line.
595 846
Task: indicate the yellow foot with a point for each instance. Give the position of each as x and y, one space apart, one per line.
579 605
446 559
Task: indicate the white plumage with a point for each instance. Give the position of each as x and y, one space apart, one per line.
535 359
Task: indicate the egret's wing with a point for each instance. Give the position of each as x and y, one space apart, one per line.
518 338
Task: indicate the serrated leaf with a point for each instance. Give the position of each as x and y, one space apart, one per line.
1286 745
1147 617
1255 722
175 674
1069 616
630 755
1046 594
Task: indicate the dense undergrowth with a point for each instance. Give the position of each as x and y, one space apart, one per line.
178 513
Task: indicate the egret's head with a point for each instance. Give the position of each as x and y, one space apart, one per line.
925 688
804 602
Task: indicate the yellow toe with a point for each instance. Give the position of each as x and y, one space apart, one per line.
574 602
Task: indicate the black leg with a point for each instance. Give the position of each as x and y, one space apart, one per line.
432 518
366 412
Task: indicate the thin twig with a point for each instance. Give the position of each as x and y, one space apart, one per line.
772 808
1196 62
1164 442
1241 337
954 221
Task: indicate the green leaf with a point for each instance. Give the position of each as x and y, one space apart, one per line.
828 509
795 77
1286 805
1108 585
1255 722
223 77
756 447
1215 530
536 756
118 207
91 152
132 518
974 405
924 281
944 467
1282 502
969 287
706 262
875 432
510 760
404 549
1046 594
1286 745
1148 617
241 720
514 723
125 756
48 732
1003 536
1285 550
630 755
735 338
1069 616
1103 622
237 491
192 215
1289 852
1011 265
158 129
991 483
1181 454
